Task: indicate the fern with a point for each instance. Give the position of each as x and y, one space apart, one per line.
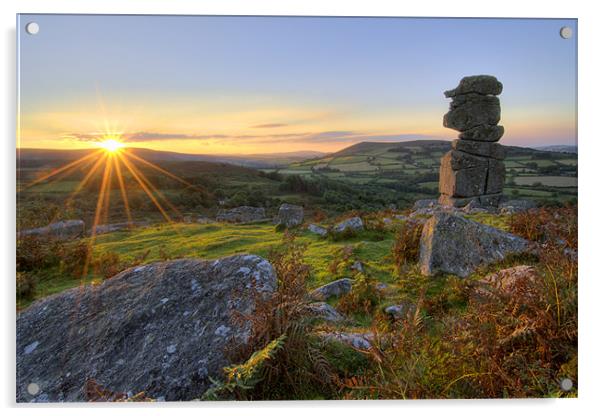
245 376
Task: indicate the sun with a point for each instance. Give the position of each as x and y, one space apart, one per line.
111 145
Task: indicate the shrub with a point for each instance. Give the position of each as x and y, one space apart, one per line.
551 225
281 350
519 342
363 298
26 285
108 264
406 248
342 257
38 253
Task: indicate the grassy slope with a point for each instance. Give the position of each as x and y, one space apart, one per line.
211 241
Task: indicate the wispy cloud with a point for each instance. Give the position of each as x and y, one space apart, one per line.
269 126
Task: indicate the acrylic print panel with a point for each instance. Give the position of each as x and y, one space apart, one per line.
266 208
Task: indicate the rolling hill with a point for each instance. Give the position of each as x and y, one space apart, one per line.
413 166
259 160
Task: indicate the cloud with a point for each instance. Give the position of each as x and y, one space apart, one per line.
269 126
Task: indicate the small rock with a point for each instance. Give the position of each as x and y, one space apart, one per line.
204 220
400 311
355 340
316 229
324 311
517 205
290 215
241 214
425 203
109 228
358 266
332 289
505 280
62 230
353 224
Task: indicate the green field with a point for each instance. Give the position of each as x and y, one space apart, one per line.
414 167
555 181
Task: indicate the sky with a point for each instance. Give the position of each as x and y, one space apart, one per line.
244 85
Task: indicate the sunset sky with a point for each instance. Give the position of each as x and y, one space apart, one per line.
244 85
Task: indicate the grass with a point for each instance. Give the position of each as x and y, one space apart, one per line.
212 241
443 348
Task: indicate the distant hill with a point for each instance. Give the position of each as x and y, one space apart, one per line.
562 148
260 160
377 147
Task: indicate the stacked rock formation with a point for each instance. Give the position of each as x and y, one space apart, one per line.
474 169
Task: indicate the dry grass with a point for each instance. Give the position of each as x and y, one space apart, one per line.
519 342
406 248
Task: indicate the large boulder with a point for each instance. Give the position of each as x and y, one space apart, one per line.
462 175
483 133
496 177
62 230
472 110
456 245
160 329
484 149
353 225
290 215
478 84
241 214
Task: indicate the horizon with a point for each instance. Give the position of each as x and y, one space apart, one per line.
267 85
273 153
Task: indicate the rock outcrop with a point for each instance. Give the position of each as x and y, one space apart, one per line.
474 168
159 329
453 244
241 214
62 230
290 215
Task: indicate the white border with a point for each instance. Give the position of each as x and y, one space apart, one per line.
590 150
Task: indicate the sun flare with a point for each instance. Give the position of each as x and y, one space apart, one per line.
111 145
